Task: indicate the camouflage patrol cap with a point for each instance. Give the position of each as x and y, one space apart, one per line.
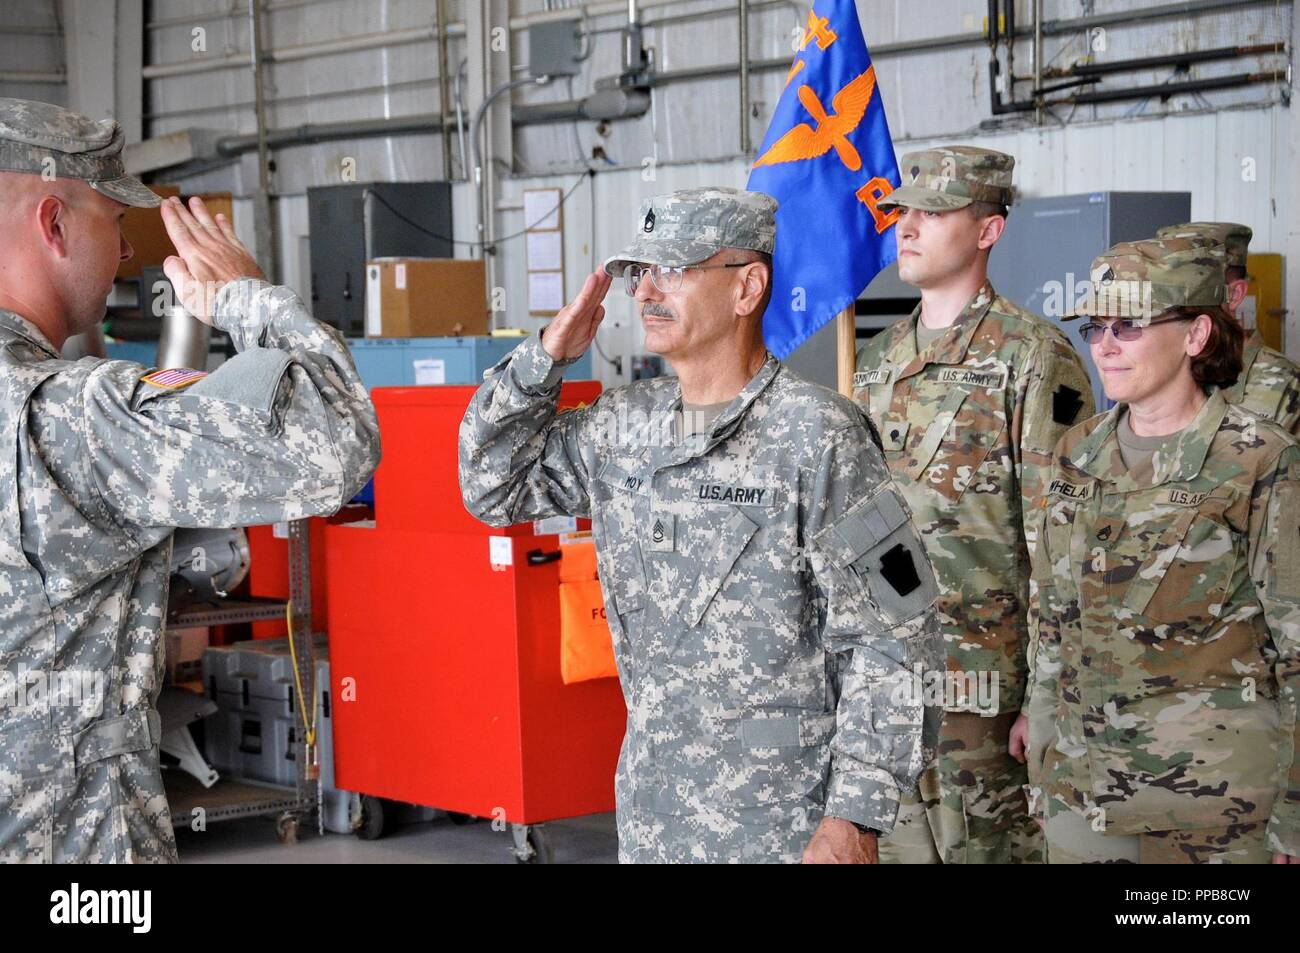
1142 280
1233 237
41 138
688 226
952 177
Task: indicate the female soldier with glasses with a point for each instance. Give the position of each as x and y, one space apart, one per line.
1165 657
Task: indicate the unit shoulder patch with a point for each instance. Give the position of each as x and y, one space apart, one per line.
1066 404
898 568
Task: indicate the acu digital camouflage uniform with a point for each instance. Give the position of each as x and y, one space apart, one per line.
769 602
968 426
101 466
1269 384
1167 651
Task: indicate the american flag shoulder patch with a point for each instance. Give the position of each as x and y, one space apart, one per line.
173 378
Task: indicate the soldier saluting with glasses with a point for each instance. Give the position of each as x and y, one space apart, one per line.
768 597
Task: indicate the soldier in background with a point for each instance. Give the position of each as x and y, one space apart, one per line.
1269 384
105 458
1162 720
970 393
768 598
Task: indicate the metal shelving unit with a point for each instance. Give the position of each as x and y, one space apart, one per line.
229 612
237 798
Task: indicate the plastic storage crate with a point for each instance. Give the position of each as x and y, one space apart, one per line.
253 734
409 362
412 362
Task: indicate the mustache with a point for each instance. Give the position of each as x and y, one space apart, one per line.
657 310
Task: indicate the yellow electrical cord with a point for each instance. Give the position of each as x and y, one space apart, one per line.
309 723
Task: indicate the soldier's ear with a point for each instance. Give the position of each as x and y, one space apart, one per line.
1237 293
751 287
991 230
1198 334
52 223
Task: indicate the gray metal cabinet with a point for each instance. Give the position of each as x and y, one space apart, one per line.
1049 245
352 224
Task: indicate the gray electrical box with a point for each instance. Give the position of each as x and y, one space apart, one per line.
1049 244
351 224
554 48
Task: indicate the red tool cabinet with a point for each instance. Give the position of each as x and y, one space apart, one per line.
445 667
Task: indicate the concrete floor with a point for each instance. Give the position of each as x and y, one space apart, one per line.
582 840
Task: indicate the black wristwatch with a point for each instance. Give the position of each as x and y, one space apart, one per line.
864 829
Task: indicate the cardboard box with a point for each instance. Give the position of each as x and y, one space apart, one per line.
143 228
425 297
184 654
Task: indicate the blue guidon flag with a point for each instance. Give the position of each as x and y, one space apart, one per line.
828 160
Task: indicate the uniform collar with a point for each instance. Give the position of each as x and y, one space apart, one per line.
1098 453
19 325
1249 351
725 422
951 348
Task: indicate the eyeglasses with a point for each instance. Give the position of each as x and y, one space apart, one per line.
667 280
1124 329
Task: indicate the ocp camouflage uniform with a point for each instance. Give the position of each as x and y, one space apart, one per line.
104 460
968 425
769 602
1168 658
1269 384
1167 651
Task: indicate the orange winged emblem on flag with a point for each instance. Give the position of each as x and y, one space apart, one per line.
831 132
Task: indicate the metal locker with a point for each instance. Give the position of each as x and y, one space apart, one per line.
351 224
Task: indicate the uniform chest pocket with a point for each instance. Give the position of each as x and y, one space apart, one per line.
694 599
950 455
872 389
615 517
1185 582
1059 552
622 482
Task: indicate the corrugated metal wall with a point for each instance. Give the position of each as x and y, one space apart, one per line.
1189 142
31 51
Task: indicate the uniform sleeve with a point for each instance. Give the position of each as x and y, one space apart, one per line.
283 430
879 592
1274 534
1042 693
1057 394
1288 410
519 458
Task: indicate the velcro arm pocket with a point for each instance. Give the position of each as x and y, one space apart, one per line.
876 543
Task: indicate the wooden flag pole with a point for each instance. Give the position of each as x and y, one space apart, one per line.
846 349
